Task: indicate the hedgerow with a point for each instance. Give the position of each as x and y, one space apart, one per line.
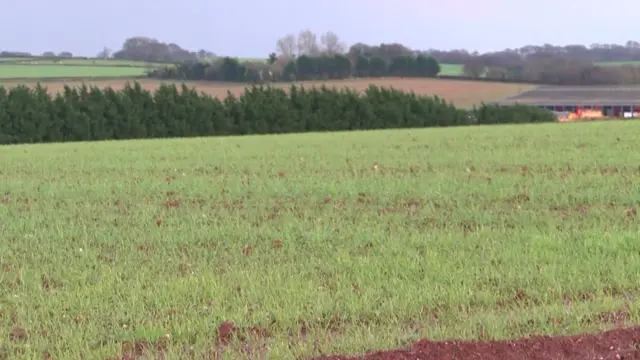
33 115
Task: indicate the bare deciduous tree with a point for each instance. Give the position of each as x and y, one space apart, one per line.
203 54
105 53
308 43
474 67
287 45
332 44
279 65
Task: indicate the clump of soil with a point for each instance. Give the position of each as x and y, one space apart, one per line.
617 344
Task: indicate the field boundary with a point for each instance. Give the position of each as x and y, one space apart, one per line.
71 79
373 80
57 58
132 65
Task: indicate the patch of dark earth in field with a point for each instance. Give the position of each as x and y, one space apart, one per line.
617 344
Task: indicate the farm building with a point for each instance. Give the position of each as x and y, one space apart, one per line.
612 101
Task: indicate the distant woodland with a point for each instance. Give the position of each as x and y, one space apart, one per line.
308 56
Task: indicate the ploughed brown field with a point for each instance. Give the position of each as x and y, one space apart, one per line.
617 344
461 93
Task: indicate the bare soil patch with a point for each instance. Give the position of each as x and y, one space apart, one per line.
618 344
461 93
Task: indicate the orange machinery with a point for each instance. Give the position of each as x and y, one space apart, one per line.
580 114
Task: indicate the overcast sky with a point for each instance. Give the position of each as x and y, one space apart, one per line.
250 28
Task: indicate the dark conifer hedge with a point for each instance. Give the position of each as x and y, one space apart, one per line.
33 115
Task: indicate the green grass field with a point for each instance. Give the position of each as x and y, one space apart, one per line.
14 68
83 62
456 70
333 243
619 63
257 60
450 69
61 71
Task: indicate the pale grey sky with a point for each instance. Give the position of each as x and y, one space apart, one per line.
250 28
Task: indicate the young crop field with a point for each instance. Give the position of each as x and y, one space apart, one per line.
294 246
450 69
461 93
619 63
8 71
74 62
457 69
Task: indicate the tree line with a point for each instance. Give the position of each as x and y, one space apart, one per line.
630 51
306 42
136 48
549 68
33 115
548 64
304 67
46 54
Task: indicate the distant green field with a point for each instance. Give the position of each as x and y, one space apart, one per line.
450 69
257 60
12 59
619 63
456 69
87 62
10 71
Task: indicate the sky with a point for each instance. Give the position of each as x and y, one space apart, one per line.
250 28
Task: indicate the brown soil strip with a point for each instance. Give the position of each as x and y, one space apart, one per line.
617 344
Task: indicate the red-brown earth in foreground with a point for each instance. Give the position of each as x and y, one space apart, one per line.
618 344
